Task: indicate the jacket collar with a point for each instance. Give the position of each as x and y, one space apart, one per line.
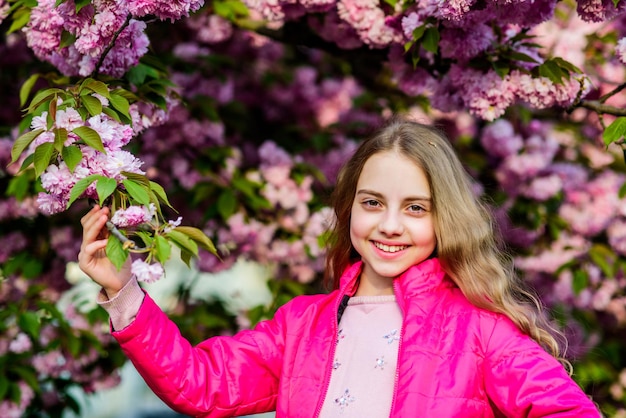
420 278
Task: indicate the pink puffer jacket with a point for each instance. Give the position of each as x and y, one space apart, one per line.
455 360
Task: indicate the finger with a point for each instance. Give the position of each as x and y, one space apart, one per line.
90 252
93 227
89 215
92 248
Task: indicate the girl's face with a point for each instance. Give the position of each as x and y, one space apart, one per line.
391 225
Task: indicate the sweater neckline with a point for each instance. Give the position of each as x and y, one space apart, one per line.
371 300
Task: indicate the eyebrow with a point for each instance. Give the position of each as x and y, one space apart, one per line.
380 196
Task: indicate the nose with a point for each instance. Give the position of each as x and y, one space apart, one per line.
391 224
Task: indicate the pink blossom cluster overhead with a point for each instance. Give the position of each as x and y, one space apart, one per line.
94 28
58 180
467 32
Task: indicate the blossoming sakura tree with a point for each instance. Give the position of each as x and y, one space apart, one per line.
217 129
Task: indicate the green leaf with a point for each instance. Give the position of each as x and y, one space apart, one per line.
97 87
43 155
67 39
615 131
29 323
501 68
622 191
120 104
431 39
105 187
80 186
408 45
72 156
73 344
27 162
19 187
115 252
226 203
137 192
138 178
28 375
163 249
198 236
93 105
112 113
580 281
80 4
60 137
183 241
137 75
20 18
418 32
160 192
519 56
43 96
23 142
604 258
567 65
551 70
90 137
25 90
4 385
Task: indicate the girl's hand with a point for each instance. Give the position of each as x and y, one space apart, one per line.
92 258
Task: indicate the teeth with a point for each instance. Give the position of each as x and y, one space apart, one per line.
390 248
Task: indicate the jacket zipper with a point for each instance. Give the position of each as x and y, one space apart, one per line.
329 366
397 376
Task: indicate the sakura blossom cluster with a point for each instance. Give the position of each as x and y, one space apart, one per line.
271 241
488 95
464 36
50 361
58 180
147 272
133 216
108 37
533 167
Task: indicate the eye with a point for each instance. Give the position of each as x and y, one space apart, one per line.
416 209
371 203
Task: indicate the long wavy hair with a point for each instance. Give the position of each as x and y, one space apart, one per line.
468 245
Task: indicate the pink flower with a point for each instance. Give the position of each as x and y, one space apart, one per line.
145 272
366 17
499 139
543 188
466 43
597 10
20 344
211 29
114 134
409 23
4 10
133 216
50 204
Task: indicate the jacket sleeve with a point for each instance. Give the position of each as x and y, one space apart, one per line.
523 380
220 377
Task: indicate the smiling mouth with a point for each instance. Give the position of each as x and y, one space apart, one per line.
390 248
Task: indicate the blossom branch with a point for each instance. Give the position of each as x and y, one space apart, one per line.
599 107
612 93
126 242
110 45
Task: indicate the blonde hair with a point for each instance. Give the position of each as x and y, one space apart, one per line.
466 246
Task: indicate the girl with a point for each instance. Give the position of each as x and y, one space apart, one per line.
425 318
